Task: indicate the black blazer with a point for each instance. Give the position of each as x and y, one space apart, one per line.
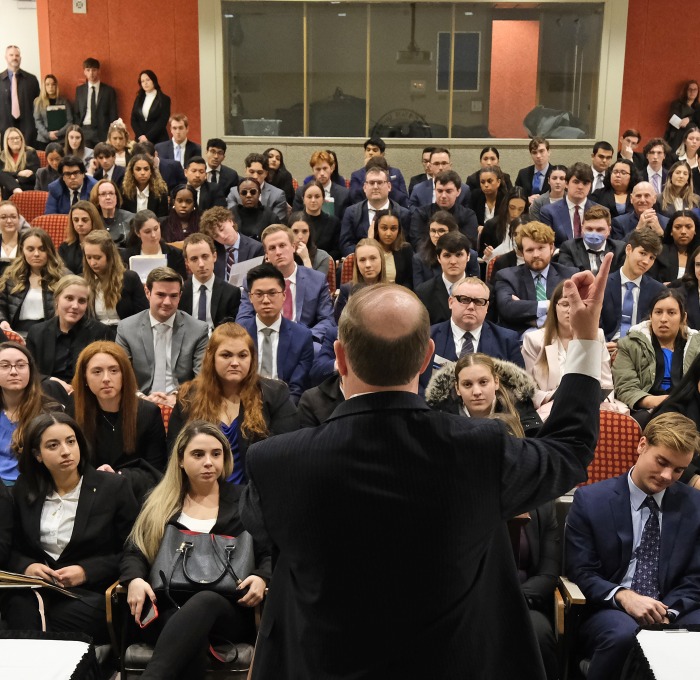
433 294
248 249
225 300
209 196
572 253
478 205
41 342
174 256
302 504
606 198
158 204
692 301
251 221
317 404
165 149
545 557
279 412
227 178
155 128
665 267
133 298
118 173
403 261
106 512
527 175
5 526
72 256
106 107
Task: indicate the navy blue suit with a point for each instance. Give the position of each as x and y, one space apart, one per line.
599 539
117 175
556 215
313 303
526 176
420 223
611 314
172 173
398 191
166 150
521 314
59 199
355 224
247 250
627 223
295 354
422 194
495 341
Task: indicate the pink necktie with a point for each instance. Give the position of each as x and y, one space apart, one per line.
15 98
287 308
657 183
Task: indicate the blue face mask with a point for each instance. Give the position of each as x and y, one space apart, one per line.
593 239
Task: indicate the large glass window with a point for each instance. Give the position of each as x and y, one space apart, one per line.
431 69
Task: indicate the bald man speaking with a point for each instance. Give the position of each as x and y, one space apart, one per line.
390 519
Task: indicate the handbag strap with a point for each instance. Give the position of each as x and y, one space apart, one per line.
223 560
180 553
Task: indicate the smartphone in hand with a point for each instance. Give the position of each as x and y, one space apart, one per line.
149 613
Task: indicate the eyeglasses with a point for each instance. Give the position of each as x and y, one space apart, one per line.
620 172
6 218
249 192
375 182
74 173
6 366
466 300
106 194
563 304
272 294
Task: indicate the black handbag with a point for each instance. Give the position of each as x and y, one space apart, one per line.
188 562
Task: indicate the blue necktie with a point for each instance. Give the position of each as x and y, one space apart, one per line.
646 574
627 309
537 183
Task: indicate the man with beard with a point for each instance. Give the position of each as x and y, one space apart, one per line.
523 292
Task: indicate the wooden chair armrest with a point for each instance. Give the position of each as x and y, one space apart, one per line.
109 593
559 613
571 592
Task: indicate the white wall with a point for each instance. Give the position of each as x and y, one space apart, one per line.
19 27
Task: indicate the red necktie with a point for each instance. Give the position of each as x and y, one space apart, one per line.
577 222
287 307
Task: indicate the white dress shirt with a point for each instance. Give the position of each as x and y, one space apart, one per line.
371 212
274 339
57 520
142 199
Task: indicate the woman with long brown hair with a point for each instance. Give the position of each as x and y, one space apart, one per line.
143 188
83 219
125 433
229 393
117 292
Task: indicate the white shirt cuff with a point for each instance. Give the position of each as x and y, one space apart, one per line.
585 357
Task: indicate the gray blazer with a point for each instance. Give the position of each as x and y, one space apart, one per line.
271 197
190 338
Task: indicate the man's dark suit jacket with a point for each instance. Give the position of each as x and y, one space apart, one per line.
521 314
433 294
105 515
165 150
623 225
117 175
209 196
172 173
556 215
398 192
295 354
416 179
248 249
58 201
225 300
227 178
422 194
365 472
599 543
355 224
420 223
106 107
573 253
527 175
610 315
495 341
340 195
317 404
27 91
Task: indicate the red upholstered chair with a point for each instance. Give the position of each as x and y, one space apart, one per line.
42 158
331 276
30 204
295 184
489 268
14 337
54 226
165 412
346 272
617 446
